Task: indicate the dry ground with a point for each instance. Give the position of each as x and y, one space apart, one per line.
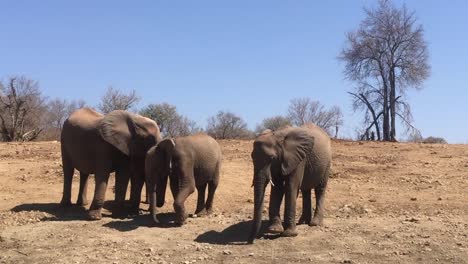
386 203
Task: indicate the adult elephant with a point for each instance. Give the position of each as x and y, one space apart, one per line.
190 162
96 144
291 158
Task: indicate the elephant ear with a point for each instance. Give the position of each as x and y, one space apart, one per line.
117 128
296 146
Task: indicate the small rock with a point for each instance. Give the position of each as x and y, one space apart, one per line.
439 199
227 252
413 199
251 254
347 261
372 200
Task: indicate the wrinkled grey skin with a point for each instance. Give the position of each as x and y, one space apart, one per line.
293 159
96 144
192 162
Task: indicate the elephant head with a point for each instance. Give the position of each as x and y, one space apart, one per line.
132 134
275 155
158 168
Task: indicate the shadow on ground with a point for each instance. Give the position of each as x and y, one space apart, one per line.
125 225
58 212
236 234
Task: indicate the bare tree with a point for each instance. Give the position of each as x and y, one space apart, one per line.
170 122
387 54
58 110
21 109
336 119
115 99
227 125
272 123
305 110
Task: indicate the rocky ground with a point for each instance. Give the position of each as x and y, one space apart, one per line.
386 203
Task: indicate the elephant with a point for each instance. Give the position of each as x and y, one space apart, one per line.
291 158
190 162
98 144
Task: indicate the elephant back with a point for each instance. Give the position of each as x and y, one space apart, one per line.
203 148
84 118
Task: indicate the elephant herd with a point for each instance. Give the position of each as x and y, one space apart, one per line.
291 159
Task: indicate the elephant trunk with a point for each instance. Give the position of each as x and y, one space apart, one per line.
260 183
151 176
153 209
161 189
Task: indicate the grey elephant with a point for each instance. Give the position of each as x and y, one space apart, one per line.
96 144
192 162
291 158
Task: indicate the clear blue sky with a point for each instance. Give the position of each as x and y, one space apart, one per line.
249 57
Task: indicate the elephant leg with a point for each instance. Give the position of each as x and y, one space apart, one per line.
174 184
68 171
122 177
319 207
212 186
179 207
186 186
201 210
83 193
306 216
292 187
101 179
135 194
276 198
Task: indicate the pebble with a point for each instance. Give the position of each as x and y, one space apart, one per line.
227 252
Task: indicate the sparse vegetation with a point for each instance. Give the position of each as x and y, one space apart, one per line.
227 125
170 122
22 109
272 123
385 56
115 99
305 110
434 140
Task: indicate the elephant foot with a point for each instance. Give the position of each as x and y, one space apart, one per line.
65 203
290 232
82 203
134 211
180 220
202 213
317 221
275 228
304 220
94 215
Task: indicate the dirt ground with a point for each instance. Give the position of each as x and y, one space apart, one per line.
386 203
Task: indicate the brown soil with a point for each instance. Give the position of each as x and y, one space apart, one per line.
386 203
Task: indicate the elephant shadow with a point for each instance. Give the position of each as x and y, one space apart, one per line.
236 234
125 225
57 212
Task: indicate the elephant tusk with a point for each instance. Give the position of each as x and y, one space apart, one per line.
272 184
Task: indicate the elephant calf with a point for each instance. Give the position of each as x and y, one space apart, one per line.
190 162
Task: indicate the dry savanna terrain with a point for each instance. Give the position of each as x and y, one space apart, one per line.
386 203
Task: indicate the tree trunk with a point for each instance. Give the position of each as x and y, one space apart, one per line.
392 105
